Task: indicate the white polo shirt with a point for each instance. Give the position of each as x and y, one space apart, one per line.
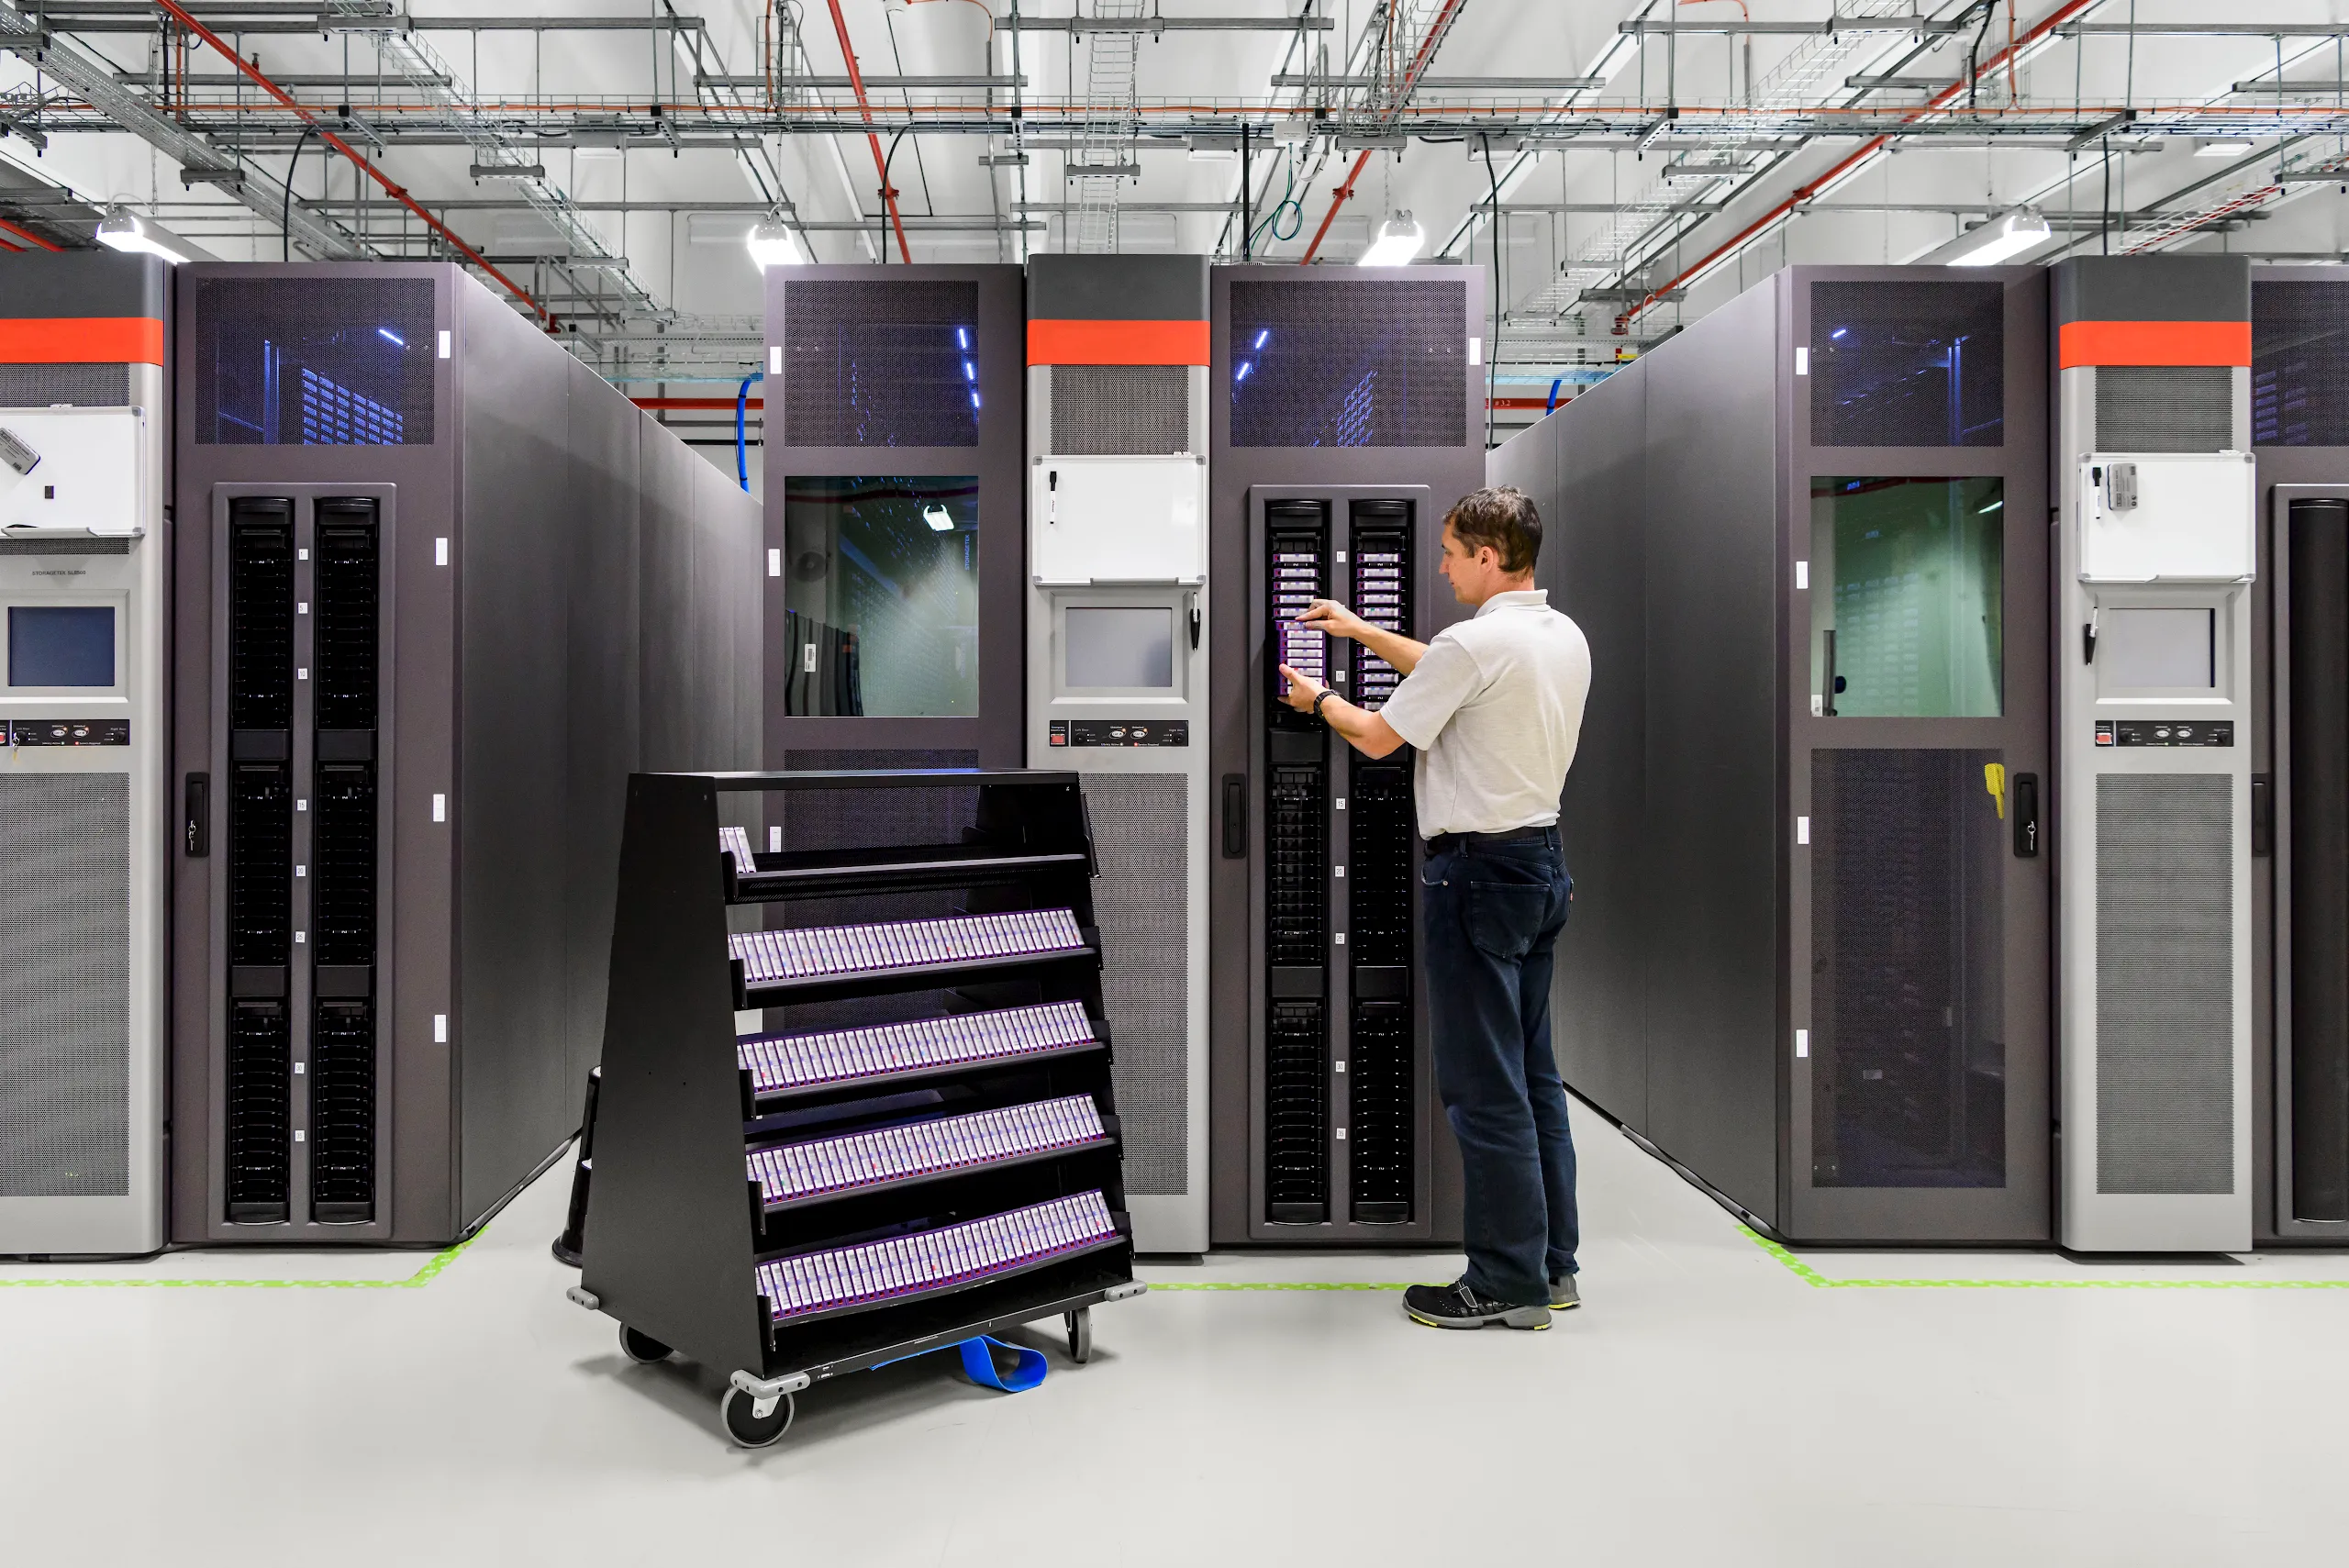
1495 708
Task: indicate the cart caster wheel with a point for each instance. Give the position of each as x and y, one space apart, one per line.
1080 1334
641 1348
748 1429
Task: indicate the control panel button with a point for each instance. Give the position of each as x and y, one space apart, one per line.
66 732
2135 732
1120 733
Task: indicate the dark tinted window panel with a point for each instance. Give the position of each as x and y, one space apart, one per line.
1349 364
314 361
2300 364
1907 365
881 364
1907 982
881 596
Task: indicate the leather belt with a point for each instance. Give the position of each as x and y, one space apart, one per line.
1444 843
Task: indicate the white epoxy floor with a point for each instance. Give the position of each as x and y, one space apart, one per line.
1710 1406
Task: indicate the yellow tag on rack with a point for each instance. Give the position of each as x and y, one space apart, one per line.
1994 779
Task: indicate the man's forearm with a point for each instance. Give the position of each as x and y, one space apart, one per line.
1393 646
1365 732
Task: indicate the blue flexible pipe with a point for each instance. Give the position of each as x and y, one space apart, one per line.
1546 412
741 448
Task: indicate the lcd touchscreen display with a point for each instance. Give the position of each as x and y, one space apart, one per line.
1122 647
2176 648
60 645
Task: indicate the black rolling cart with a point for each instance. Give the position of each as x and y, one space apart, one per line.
798 1206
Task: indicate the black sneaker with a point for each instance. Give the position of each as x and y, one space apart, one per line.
1456 1306
1562 1294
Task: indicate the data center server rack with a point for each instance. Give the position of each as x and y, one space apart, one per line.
439 589
84 825
1347 416
2299 755
1808 818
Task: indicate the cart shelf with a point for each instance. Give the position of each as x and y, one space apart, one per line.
883 1057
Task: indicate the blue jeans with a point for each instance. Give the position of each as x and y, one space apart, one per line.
1493 914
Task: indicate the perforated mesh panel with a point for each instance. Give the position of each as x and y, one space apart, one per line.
1142 837
1907 365
880 364
1349 364
314 361
65 1032
1120 410
2164 408
84 386
2300 372
2164 983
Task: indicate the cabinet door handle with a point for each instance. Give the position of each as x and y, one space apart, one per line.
199 815
1235 816
2024 793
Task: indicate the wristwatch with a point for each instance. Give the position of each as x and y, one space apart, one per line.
1325 694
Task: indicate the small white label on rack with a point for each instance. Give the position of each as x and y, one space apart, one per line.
301 871
1341 871
1341 1135
807 658
301 555
1802 829
302 673
1802 361
440 808
300 938
444 343
775 564
302 608
1342 938
440 552
299 1136
1475 350
1340 1066
298 1068
1340 803
1802 574
439 1029
1802 1043
774 358
302 805
774 841
1342 557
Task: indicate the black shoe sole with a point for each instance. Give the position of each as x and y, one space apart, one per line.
1497 1319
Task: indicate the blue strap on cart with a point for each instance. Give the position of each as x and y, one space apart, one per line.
1026 1368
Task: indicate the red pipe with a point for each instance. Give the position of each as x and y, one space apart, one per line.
397 193
1436 31
693 402
25 234
1804 193
880 164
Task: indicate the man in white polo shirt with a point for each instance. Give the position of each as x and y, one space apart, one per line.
1494 706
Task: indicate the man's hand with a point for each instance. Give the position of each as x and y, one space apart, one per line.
1302 689
1328 615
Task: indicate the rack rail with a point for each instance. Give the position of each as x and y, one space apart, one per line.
793 1207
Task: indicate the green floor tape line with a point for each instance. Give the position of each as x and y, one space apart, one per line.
1811 1276
417 1281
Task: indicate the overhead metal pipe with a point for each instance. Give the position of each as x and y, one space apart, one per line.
880 163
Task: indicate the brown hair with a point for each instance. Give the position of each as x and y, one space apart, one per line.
1501 517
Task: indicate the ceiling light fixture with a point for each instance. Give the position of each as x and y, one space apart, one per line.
2222 147
1399 239
939 519
772 243
2001 240
123 229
